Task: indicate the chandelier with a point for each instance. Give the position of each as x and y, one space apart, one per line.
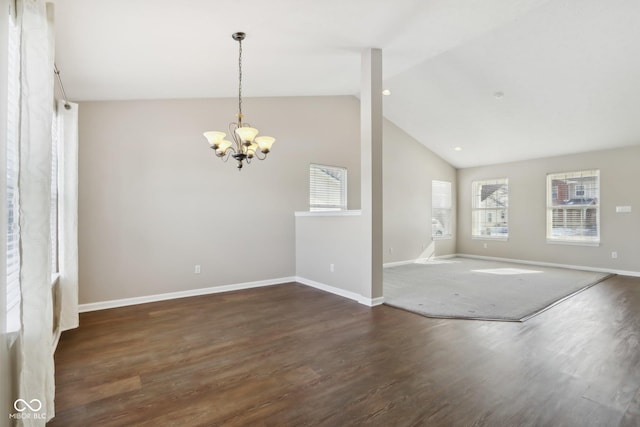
245 145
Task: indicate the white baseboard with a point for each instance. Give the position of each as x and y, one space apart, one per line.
103 305
370 302
552 264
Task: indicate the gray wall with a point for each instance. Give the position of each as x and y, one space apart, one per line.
338 240
155 201
619 178
409 167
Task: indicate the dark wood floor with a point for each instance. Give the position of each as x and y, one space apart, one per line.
289 355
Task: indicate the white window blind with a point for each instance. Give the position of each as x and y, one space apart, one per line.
490 209
13 202
573 207
441 209
327 188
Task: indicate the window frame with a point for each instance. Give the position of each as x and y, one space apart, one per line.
502 213
552 180
327 206
447 209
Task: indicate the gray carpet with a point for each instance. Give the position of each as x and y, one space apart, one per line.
477 289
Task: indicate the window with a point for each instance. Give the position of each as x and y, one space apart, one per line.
327 188
490 209
573 207
440 209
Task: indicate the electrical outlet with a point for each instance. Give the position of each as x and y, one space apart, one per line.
390 250
614 255
196 270
331 268
485 245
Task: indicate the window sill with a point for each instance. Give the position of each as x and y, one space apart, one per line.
572 242
499 239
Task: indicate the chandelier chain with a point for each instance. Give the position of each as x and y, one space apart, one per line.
240 78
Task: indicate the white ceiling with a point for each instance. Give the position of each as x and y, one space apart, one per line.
569 69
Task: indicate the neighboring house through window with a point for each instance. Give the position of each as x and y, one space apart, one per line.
490 209
441 209
573 207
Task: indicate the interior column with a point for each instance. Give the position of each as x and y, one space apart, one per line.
371 171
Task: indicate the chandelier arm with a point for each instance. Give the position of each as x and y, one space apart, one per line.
238 143
222 157
232 131
257 154
225 156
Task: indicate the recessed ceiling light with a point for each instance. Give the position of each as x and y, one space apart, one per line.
386 92
458 148
498 95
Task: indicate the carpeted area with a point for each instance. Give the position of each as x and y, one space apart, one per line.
469 288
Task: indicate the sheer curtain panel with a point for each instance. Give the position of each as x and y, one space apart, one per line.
68 214
36 368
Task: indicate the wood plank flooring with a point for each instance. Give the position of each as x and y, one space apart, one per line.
290 355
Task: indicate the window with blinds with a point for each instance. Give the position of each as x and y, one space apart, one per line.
12 202
573 207
327 188
441 209
490 209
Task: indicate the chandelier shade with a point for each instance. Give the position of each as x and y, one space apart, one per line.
265 142
214 137
247 134
246 144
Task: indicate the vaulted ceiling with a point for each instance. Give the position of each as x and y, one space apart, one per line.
502 80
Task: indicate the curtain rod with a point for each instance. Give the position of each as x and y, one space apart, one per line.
64 94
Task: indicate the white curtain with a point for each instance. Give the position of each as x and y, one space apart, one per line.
68 213
36 367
